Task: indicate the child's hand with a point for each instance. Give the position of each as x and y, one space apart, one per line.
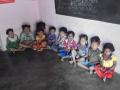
13 50
35 42
69 48
66 49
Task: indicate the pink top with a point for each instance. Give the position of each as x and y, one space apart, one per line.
70 45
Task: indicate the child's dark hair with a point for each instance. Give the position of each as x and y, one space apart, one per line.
108 46
63 29
40 24
39 30
95 39
71 32
83 36
52 28
9 30
25 25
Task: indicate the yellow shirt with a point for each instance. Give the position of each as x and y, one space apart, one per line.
40 38
109 63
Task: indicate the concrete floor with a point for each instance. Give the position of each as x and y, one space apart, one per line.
43 71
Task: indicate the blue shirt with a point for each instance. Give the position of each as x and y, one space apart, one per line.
82 51
51 38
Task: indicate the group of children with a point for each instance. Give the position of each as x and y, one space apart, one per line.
88 57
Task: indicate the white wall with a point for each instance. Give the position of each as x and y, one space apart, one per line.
106 31
12 15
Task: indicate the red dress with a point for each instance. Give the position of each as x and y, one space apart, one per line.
104 72
106 68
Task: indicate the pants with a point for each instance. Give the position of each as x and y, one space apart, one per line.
103 72
63 53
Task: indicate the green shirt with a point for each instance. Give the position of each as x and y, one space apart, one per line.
12 43
94 55
26 37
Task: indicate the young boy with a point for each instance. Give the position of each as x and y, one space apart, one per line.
51 36
59 46
26 37
93 55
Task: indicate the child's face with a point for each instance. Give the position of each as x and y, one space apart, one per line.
83 41
11 34
94 45
27 30
52 31
40 33
107 52
62 34
70 37
44 44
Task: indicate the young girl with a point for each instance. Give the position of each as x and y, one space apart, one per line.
12 41
26 37
107 65
40 41
69 45
81 53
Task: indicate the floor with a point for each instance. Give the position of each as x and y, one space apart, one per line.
30 70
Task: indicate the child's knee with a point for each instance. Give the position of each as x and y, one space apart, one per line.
73 52
92 68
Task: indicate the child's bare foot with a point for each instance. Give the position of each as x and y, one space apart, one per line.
12 50
91 72
71 62
34 49
62 59
104 79
40 50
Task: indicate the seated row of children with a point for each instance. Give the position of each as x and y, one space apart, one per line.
87 57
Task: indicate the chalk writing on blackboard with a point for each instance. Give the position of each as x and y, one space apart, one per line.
103 10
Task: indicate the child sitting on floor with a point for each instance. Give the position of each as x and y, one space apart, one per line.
80 55
52 36
60 40
40 41
106 68
12 41
26 37
69 45
93 55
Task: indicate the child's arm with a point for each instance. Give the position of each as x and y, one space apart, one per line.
22 36
23 45
7 45
54 39
114 65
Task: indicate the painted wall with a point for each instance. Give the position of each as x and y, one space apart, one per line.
106 31
12 15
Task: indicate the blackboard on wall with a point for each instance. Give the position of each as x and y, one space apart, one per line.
102 10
